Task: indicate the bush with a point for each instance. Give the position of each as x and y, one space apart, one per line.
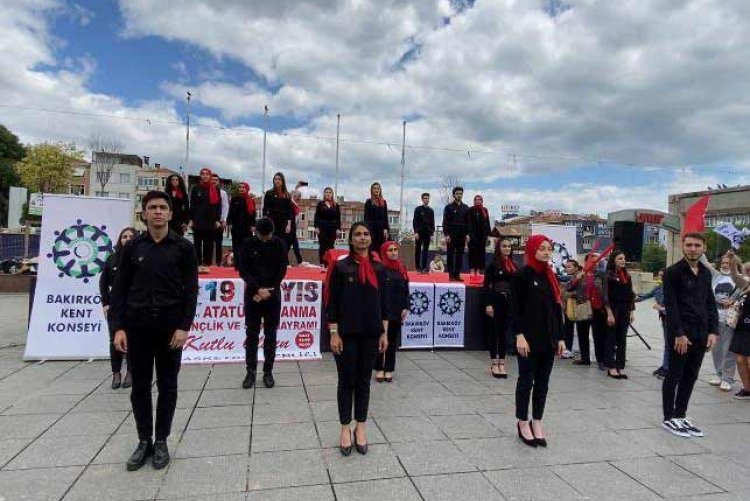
654 257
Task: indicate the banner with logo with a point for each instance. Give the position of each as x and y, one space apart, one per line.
417 331
78 235
218 330
564 244
450 310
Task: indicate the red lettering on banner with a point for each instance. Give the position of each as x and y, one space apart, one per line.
196 343
223 311
299 311
650 218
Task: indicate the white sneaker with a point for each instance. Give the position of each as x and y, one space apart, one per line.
567 354
725 386
716 381
688 425
675 427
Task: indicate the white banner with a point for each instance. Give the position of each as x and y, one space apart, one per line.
78 234
564 243
218 331
450 311
417 330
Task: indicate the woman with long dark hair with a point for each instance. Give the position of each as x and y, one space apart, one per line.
293 241
241 219
106 280
175 188
357 316
498 277
205 218
479 230
397 296
376 217
327 223
537 315
620 305
277 206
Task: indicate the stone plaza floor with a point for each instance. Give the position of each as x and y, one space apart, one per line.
443 430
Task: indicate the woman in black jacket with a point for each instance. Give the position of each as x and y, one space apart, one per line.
357 316
376 217
106 280
205 218
277 206
178 195
327 223
620 305
537 315
479 230
496 293
241 219
397 299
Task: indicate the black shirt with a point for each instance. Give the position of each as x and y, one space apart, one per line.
153 275
180 209
262 264
479 226
327 219
238 217
203 213
618 293
107 277
689 302
497 281
456 219
424 220
396 293
376 217
279 210
358 309
536 313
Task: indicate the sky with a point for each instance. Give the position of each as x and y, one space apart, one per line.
574 105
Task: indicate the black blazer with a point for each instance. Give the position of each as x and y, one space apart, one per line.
358 309
180 209
278 209
376 217
497 281
327 219
479 226
536 314
238 216
203 214
107 277
396 293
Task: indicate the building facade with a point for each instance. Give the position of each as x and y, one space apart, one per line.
114 175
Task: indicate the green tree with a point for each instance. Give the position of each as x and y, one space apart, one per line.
654 257
11 151
48 167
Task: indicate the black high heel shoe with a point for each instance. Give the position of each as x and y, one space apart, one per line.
362 449
530 442
541 442
346 451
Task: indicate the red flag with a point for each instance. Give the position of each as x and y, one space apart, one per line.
695 217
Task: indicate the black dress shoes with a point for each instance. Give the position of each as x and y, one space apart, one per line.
249 380
345 450
361 448
268 380
531 442
116 380
541 442
140 455
161 455
128 381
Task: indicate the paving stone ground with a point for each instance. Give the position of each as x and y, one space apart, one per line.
443 430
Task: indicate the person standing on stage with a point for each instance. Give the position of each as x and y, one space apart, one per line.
205 218
376 216
263 263
277 206
424 227
241 219
356 309
396 290
456 231
219 235
620 306
106 280
327 223
479 230
496 294
537 315
292 235
692 324
153 305
178 196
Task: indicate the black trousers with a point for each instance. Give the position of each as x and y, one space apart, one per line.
238 236
148 344
326 242
421 246
387 361
582 327
498 326
293 242
115 357
681 375
533 382
268 312
477 253
599 333
617 336
456 253
219 245
354 367
204 245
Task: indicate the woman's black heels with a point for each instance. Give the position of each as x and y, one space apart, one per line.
541 442
346 451
362 449
531 442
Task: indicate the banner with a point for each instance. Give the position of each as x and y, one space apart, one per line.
450 311
417 331
218 330
564 243
78 234
736 236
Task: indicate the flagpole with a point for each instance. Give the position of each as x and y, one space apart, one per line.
338 130
403 172
263 179
187 140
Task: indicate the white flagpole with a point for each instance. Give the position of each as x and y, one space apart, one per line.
187 141
338 130
403 172
263 179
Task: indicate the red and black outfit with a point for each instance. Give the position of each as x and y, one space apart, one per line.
496 292
396 291
205 212
180 210
241 218
328 222
479 231
621 300
376 217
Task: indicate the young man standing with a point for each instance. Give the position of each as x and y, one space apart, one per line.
424 228
456 231
219 242
692 323
263 263
153 305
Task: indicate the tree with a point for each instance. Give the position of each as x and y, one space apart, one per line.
447 183
48 167
11 151
654 257
105 152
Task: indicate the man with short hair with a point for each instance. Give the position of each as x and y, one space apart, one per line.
219 242
424 228
154 298
692 323
456 231
262 263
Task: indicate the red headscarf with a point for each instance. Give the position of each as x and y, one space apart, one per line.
393 264
213 193
481 206
365 273
249 200
509 266
532 245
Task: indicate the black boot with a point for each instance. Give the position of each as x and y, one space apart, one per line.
140 455
128 381
249 380
116 380
268 380
161 455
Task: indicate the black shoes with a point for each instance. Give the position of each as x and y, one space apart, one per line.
161 455
268 380
128 381
116 380
531 442
249 380
660 373
140 455
581 362
541 442
346 451
362 449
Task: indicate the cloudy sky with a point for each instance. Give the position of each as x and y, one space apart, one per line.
578 105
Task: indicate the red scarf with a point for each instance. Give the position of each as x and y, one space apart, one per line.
623 275
249 200
480 206
377 202
365 273
532 245
213 193
393 264
508 265
177 193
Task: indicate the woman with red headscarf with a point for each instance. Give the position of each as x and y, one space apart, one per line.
241 219
479 230
396 285
205 218
537 318
496 294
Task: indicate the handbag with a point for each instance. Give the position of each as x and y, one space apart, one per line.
734 311
570 309
583 311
